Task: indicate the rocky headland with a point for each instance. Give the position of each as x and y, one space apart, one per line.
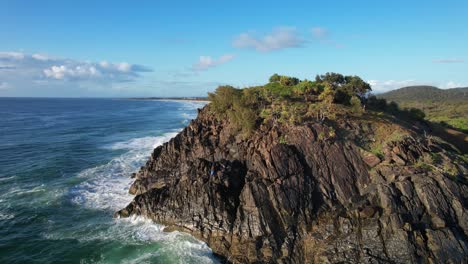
311 191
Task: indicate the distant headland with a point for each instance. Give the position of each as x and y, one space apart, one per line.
200 99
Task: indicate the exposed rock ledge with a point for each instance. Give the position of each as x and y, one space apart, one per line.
309 199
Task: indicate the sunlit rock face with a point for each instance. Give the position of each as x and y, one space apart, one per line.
305 194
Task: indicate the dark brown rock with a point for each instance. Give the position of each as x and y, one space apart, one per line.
371 160
307 201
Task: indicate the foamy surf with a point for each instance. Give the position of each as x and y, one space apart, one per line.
143 142
56 207
173 244
106 188
107 185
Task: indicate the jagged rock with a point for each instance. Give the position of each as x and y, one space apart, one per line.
371 160
308 201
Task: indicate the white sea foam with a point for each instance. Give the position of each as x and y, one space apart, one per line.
23 190
144 142
177 245
107 185
7 178
106 188
5 216
142 232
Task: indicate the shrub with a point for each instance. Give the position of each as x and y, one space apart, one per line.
275 78
356 106
223 99
416 114
285 99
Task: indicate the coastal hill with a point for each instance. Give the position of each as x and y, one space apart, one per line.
446 106
424 93
300 171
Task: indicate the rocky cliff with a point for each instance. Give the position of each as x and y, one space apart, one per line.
309 193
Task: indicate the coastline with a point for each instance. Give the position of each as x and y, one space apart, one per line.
173 99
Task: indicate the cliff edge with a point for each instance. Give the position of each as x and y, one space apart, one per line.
304 199
310 192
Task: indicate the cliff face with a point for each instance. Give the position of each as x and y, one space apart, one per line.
308 194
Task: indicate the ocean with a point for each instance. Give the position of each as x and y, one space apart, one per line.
65 167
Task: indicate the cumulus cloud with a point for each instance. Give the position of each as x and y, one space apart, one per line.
206 62
279 38
452 84
97 71
453 60
20 69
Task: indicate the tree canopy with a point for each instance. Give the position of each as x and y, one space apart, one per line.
289 99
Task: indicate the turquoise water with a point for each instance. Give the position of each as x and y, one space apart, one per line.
64 170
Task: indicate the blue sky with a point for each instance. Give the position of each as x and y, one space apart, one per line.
187 48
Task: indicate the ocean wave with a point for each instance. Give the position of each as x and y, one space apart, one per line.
144 142
21 191
153 242
7 178
106 186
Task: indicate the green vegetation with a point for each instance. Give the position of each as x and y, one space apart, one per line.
288 100
448 107
380 104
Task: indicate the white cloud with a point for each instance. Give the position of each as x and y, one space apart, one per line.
381 86
206 62
63 72
26 69
11 55
40 57
452 84
452 60
279 38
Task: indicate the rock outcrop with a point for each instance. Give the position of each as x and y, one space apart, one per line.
308 194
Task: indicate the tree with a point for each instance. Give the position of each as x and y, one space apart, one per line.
288 81
356 86
378 104
416 113
345 86
392 108
275 78
310 90
334 79
326 106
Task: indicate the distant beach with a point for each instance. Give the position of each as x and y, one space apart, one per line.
185 99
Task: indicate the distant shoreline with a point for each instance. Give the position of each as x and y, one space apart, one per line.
189 99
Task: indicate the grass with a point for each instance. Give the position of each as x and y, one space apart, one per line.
450 113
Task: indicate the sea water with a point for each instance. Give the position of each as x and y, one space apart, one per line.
65 167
